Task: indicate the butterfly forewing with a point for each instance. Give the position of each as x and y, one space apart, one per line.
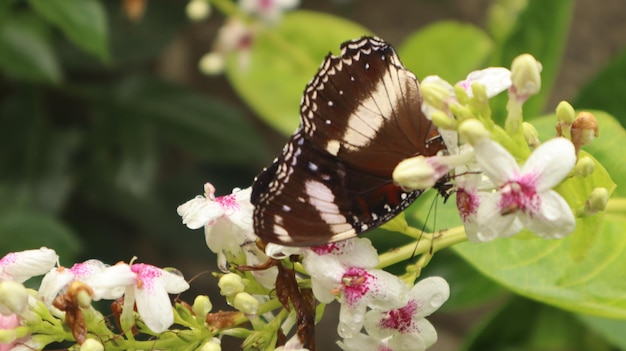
360 116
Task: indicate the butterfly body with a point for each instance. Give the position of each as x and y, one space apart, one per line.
360 116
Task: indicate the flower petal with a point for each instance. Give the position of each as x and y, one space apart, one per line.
431 293
495 161
555 219
495 80
21 266
154 307
491 223
551 161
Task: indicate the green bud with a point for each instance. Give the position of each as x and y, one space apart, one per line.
13 297
201 306
565 116
211 345
584 167
230 284
597 200
435 95
473 131
7 336
530 134
91 345
526 75
443 121
246 303
414 173
212 63
198 10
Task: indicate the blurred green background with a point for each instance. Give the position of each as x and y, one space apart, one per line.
106 124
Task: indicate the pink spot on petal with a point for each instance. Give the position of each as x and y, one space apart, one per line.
326 249
229 203
356 283
8 259
520 193
400 319
146 275
467 202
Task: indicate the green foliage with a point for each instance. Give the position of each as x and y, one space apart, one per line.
97 149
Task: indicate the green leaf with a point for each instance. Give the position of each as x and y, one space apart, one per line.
542 31
25 51
23 229
448 49
611 329
283 60
525 325
83 21
606 90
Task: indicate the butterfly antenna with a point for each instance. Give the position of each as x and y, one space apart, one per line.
433 206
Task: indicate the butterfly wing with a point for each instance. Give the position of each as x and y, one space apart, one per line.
360 116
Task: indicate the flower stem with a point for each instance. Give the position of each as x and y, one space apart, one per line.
431 244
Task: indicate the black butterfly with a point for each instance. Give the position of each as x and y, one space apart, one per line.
359 117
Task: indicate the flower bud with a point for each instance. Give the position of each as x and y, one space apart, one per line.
473 131
443 121
414 173
201 306
584 167
246 303
212 345
230 284
436 94
525 76
13 298
584 129
212 63
91 345
565 116
530 134
597 201
198 10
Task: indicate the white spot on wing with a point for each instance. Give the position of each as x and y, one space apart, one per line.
333 147
322 198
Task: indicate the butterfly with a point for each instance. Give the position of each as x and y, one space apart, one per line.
359 117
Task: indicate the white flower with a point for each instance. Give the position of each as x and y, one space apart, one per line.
147 286
21 266
227 220
293 344
268 10
524 197
404 328
345 269
59 278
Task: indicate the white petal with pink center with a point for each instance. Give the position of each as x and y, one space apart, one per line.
21 266
58 278
524 197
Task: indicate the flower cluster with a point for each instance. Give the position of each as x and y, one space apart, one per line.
66 294
495 195
237 34
391 312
